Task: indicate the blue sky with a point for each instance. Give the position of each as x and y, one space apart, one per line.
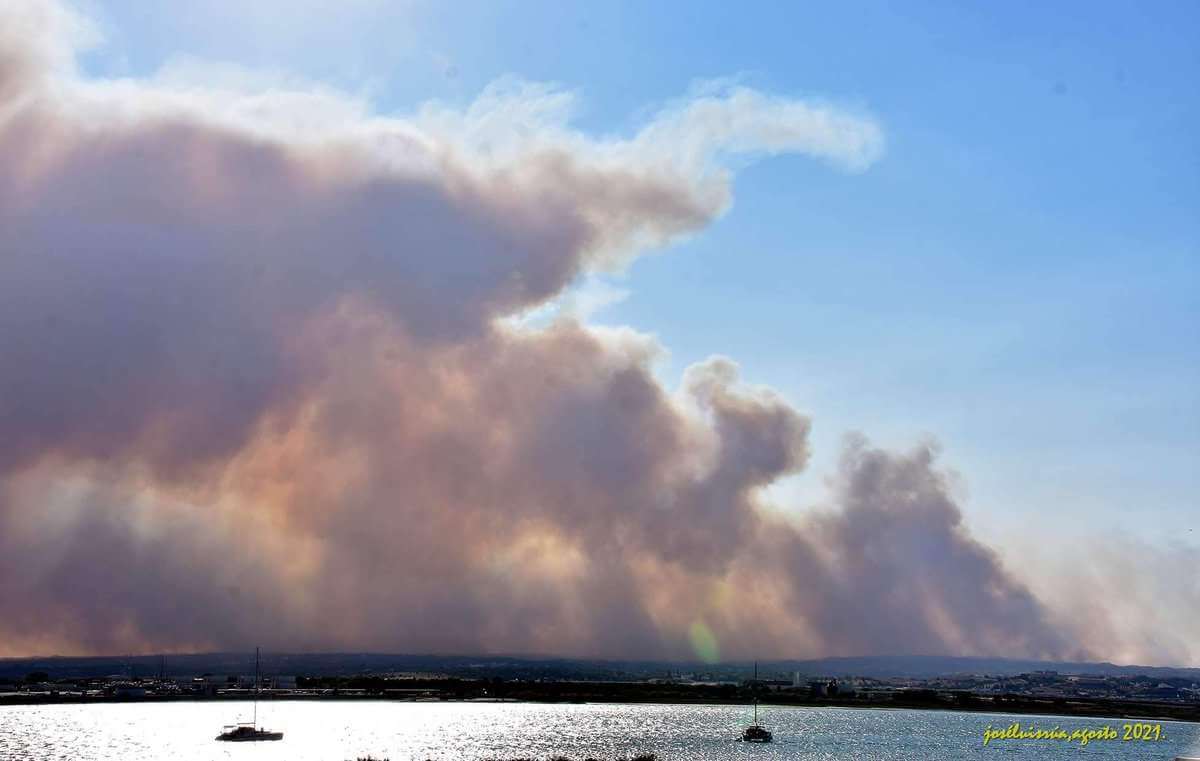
1017 277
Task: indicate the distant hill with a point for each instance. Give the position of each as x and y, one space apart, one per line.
925 666
514 667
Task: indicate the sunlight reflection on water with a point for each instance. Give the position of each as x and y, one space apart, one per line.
334 731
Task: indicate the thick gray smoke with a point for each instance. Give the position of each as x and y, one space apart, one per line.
258 385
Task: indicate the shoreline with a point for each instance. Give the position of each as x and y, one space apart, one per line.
1030 706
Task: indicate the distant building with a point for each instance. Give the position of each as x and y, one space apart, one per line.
774 684
823 687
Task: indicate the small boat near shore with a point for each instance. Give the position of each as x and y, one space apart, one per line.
249 731
756 733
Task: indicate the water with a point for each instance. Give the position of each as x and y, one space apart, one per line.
335 731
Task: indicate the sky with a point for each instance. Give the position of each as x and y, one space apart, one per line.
968 234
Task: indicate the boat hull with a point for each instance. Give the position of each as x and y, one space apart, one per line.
257 737
756 734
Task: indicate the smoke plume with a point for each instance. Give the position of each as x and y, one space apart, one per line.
259 385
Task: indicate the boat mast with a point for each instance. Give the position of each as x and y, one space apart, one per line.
754 687
256 689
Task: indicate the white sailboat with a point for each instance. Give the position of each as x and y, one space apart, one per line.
249 731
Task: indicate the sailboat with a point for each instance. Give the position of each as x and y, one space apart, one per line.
756 733
249 732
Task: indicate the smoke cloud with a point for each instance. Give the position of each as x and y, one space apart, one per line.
259 385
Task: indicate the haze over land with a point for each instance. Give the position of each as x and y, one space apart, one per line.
379 665
277 369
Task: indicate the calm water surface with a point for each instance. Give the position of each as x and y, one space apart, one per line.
329 731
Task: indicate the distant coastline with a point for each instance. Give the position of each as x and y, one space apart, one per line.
981 685
635 693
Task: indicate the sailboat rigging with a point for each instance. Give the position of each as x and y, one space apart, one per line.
756 733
